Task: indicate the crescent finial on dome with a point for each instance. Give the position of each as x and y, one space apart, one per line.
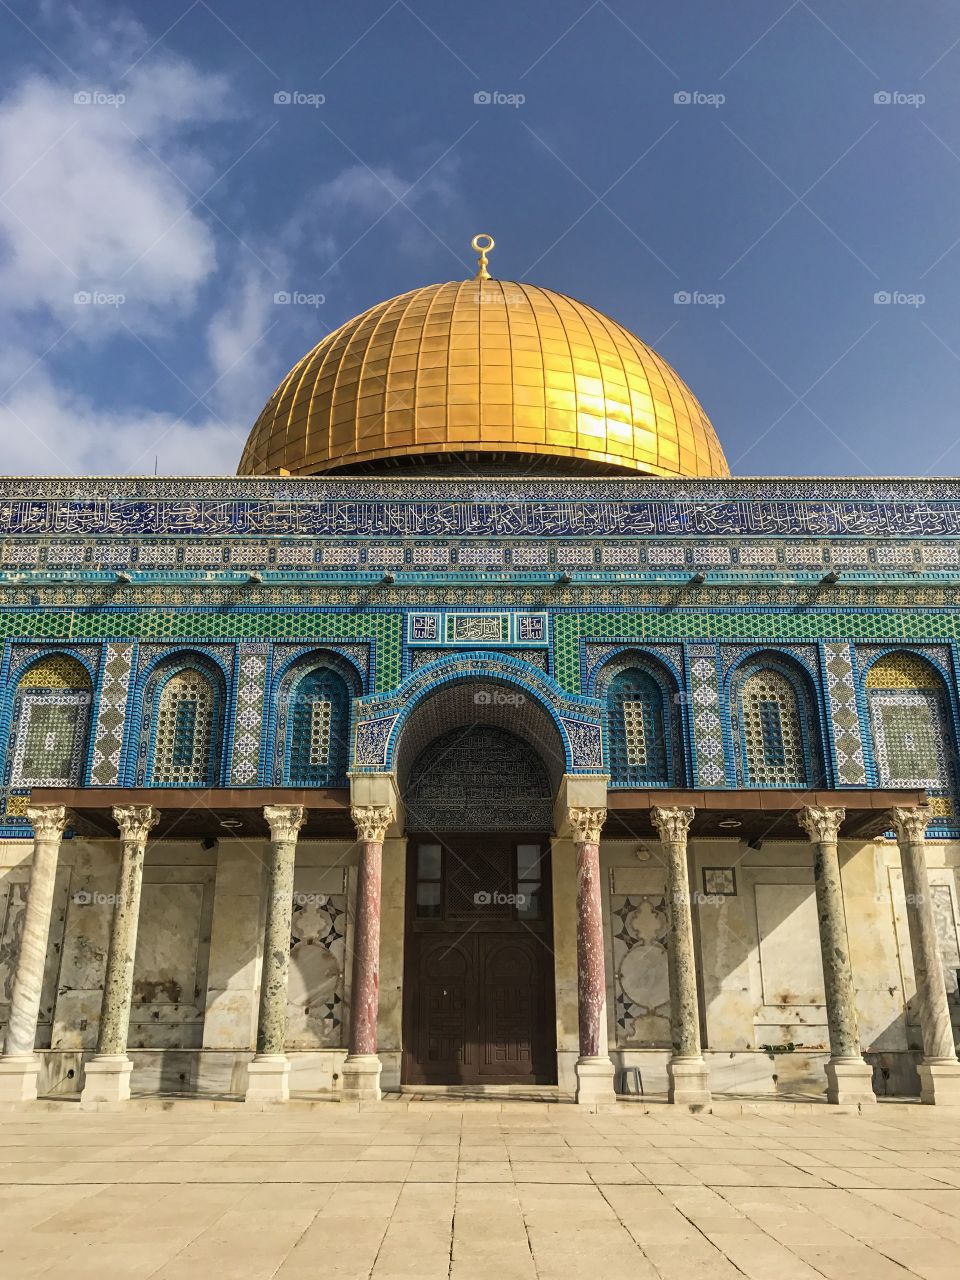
483 250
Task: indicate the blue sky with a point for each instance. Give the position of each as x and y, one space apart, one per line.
145 165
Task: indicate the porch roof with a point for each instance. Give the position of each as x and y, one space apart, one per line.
192 813
756 814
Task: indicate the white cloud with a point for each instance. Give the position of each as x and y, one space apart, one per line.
94 198
47 430
236 338
86 206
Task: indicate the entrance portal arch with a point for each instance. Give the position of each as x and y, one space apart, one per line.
478 766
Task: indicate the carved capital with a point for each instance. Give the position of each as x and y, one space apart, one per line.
821 825
911 824
136 821
48 821
284 821
672 824
372 821
586 824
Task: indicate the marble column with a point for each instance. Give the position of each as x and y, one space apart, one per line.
362 1066
19 1067
689 1079
939 1071
107 1074
848 1076
594 1067
268 1075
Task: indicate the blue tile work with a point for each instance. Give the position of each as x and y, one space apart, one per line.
703 689
843 715
251 682
408 584
111 715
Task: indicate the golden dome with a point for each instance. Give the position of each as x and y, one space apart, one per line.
478 368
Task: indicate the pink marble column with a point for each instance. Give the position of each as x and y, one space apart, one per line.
361 1069
594 1069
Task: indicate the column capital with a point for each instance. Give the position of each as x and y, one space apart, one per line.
586 823
372 821
911 824
48 821
284 821
672 824
136 821
821 825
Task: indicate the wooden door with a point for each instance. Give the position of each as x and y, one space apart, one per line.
479 966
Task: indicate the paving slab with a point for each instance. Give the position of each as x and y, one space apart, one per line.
445 1189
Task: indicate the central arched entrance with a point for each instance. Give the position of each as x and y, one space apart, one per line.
479 972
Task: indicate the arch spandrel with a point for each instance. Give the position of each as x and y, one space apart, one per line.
567 729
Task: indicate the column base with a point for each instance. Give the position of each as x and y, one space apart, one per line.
268 1078
689 1082
849 1081
361 1077
595 1081
106 1078
18 1079
939 1081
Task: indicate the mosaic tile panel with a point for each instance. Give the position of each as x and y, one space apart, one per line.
105 769
843 715
538 658
705 715
248 721
758 626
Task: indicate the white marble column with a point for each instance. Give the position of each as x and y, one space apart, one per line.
268 1075
19 1067
939 1071
362 1066
594 1067
848 1076
686 1070
107 1074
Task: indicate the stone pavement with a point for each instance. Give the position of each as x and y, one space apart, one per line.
478 1190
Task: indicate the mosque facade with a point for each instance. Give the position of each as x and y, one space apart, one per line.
483 733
